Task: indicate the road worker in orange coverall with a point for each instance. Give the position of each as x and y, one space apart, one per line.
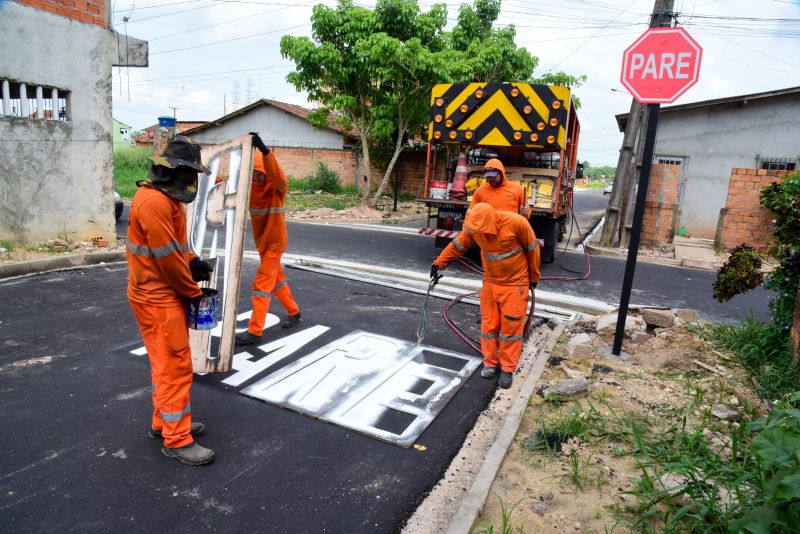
162 283
510 257
500 192
267 197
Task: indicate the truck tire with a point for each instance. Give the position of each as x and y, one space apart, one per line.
546 229
562 228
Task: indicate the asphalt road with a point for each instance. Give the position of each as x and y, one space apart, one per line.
76 407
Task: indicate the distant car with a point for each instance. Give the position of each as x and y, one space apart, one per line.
118 206
607 189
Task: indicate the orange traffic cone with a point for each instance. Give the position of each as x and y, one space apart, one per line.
459 190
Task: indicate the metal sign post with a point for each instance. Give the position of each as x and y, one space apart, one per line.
636 230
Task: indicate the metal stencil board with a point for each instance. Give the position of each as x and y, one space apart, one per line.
377 385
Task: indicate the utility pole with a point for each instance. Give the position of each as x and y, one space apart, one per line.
634 135
174 109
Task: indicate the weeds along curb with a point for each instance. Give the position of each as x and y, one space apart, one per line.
475 499
22 268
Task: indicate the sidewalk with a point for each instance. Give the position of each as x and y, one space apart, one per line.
695 253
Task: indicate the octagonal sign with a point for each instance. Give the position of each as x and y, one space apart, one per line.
661 65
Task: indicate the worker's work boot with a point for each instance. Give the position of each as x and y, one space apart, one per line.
198 429
505 379
193 454
489 372
247 338
291 321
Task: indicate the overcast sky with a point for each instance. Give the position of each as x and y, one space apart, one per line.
199 50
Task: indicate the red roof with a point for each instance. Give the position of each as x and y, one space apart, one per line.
180 126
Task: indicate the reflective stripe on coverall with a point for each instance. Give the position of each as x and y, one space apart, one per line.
267 197
508 196
511 258
159 286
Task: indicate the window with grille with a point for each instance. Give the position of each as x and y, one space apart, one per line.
20 99
777 164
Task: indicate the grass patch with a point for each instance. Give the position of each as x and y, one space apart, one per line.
130 164
595 185
764 350
6 244
297 201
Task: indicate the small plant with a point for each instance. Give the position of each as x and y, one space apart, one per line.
324 179
505 527
6 244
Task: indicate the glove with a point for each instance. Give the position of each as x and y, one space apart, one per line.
259 144
533 285
201 270
435 272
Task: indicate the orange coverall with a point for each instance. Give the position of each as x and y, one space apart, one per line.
159 286
267 197
508 196
510 257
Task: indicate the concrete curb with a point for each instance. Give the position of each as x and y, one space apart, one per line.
473 502
22 268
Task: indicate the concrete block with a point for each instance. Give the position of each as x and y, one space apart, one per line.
579 352
567 389
659 318
608 322
580 339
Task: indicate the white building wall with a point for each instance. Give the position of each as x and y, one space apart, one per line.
56 177
715 139
275 126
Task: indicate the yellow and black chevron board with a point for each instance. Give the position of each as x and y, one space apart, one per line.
500 114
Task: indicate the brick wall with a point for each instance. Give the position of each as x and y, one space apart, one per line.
743 220
661 204
88 11
660 207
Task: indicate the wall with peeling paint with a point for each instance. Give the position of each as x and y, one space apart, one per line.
56 178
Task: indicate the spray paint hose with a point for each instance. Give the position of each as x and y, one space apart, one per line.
468 340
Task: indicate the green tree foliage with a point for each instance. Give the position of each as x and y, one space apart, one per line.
373 69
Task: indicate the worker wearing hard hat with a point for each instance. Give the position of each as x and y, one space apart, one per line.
510 257
498 191
267 197
162 277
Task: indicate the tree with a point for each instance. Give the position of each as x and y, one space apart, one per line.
336 74
375 69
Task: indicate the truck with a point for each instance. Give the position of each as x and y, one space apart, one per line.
532 128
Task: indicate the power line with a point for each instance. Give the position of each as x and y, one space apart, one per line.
230 40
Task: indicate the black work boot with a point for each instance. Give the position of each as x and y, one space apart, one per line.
505 379
489 372
291 321
247 338
193 454
198 429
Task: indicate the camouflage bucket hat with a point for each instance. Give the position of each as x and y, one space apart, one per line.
180 151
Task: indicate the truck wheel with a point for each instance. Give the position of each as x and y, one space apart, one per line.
546 229
562 228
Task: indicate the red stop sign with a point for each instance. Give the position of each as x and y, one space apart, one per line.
661 65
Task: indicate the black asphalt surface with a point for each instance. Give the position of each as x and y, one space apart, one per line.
76 408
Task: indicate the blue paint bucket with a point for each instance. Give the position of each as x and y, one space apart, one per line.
204 312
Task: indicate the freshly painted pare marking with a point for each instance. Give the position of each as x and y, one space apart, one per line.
383 387
278 350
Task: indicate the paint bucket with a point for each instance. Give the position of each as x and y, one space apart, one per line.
438 190
204 311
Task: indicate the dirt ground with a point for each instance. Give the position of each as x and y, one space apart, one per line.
579 486
52 248
384 213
